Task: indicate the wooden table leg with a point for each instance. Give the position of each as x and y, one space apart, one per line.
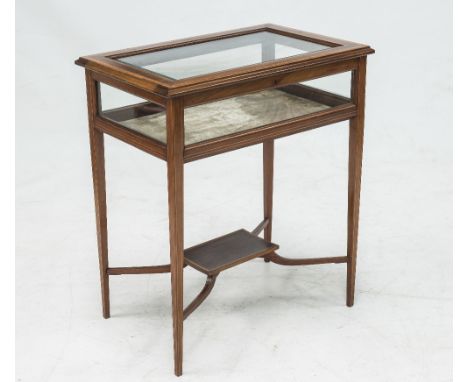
268 157
175 177
96 140
356 135
268 54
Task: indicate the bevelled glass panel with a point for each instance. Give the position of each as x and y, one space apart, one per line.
222 54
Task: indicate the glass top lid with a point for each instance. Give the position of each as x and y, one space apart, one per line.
226 53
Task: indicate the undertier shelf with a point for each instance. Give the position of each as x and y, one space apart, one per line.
227 251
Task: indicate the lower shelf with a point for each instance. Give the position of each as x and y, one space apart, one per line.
227 251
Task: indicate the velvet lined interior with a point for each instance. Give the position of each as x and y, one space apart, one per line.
229 116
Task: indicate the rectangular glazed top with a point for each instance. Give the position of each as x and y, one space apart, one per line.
203 62
223 54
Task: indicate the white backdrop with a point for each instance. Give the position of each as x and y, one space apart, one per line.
262 321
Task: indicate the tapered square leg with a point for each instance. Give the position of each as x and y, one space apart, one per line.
96 140
175 178
356 137
268 158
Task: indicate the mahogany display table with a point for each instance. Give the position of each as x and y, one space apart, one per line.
211 94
